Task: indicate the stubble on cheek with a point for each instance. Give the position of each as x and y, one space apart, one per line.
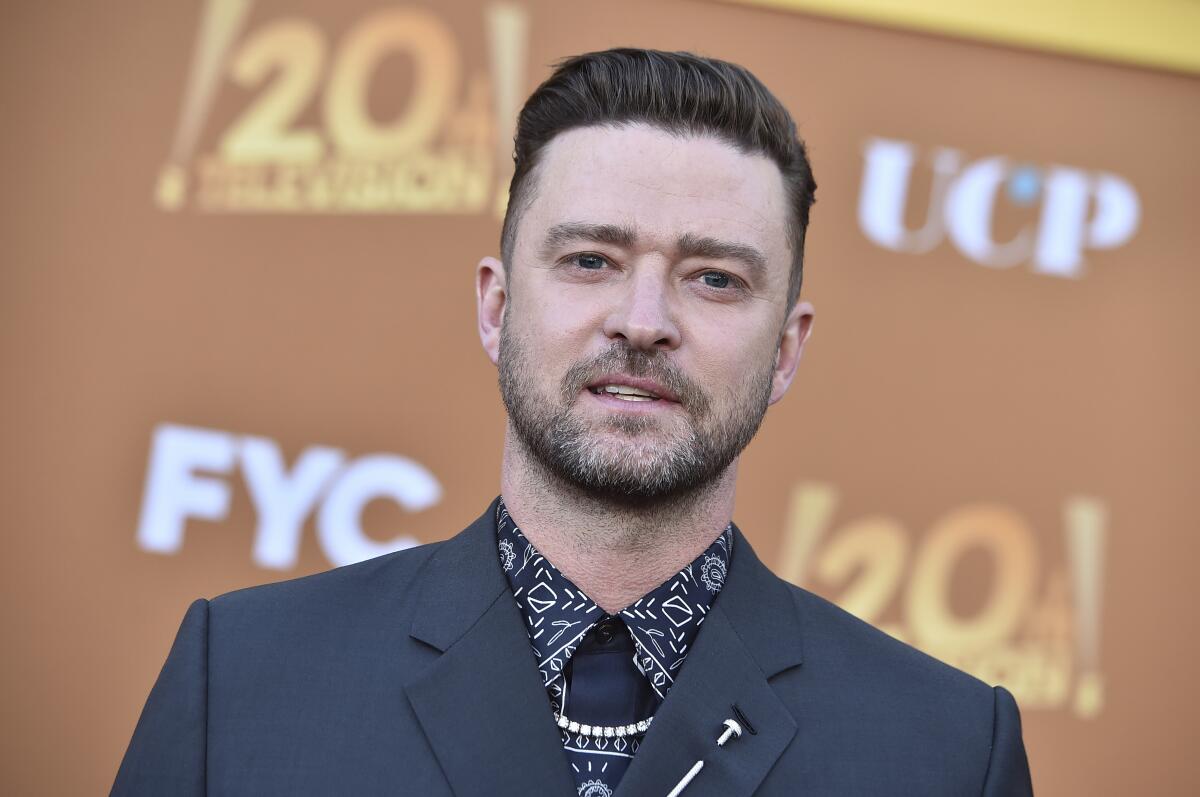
693 448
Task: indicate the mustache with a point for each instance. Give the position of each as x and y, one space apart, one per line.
622 359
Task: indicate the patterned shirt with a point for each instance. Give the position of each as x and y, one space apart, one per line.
663 625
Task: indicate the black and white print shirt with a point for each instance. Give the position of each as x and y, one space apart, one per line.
558 615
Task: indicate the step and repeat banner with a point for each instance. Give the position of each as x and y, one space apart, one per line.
239 342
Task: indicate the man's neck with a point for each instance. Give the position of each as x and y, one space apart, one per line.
614 553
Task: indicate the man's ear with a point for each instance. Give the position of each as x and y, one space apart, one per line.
791 345
491 297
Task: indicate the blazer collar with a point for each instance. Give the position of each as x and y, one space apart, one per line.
762 610
485 711
752 634
481 703
459 583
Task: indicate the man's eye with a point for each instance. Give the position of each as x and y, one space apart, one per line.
589 262
715 279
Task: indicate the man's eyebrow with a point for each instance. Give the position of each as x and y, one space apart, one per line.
568 232
714 249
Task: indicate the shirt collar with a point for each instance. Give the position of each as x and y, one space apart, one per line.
558 615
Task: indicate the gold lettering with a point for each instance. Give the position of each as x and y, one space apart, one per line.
877 549
1006 537
264 131
436 61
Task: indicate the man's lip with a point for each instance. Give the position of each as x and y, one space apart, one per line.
648 385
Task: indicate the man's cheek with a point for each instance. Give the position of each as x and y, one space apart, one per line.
713 373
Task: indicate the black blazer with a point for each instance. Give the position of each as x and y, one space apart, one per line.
412 674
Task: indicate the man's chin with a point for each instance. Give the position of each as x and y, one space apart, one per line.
635 471
635 427
621 442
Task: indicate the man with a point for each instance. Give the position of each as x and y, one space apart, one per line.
603 625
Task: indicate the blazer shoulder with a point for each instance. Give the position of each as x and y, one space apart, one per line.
933 720
391 573
353 601
835 637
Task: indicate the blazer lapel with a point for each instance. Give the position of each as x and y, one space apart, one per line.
482 704
751 633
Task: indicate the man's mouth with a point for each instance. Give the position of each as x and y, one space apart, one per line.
625 392
623 387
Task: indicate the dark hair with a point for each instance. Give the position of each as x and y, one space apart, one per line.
676 92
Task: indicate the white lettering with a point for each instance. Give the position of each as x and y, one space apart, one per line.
339 528
174 492
884 195
968 208
963 201
1065 231
283 501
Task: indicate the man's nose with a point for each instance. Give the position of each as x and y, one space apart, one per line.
644 317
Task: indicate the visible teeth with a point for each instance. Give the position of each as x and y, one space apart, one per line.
624 390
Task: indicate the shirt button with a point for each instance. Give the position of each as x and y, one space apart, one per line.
604 632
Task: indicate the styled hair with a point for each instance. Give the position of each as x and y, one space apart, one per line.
677 92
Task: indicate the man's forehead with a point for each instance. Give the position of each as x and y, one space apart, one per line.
659 185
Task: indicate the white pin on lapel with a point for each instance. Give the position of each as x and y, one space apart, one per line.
732 730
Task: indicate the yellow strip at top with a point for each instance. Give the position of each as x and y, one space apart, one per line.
1163 34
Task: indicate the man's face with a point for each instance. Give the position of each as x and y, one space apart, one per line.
643 313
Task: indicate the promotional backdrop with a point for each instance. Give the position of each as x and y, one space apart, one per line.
239 342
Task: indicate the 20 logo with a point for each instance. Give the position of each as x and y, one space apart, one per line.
1043 643
440 153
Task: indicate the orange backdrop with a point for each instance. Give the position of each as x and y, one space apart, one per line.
239 344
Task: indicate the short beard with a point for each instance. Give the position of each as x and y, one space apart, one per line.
564 446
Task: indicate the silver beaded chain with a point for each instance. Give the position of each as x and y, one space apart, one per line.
602 731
